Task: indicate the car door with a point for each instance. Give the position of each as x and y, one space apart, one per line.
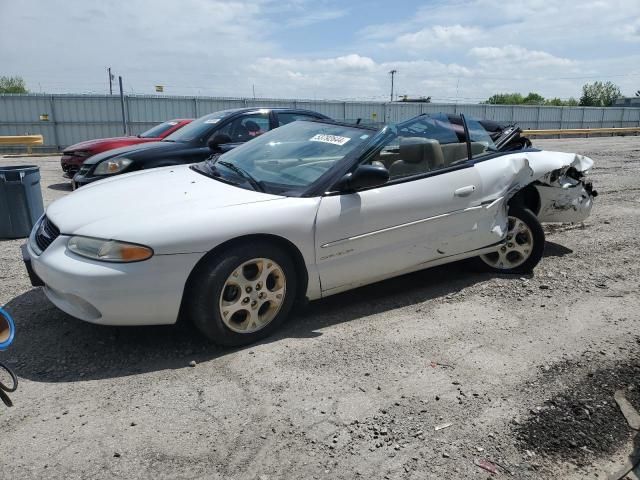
426 212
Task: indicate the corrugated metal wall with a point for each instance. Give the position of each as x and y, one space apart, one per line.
73 118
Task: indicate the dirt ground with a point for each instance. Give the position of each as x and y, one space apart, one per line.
442 374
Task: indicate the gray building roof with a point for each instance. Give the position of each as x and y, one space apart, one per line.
627 102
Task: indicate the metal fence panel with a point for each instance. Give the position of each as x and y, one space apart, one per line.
368 112
73 118
572 117
592 118
437 108
403 111
474 111
613 117
631 117
87 109
549 117
149 110
19 108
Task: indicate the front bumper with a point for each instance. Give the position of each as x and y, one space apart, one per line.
570 202
71 164
80 179
36 281
142 293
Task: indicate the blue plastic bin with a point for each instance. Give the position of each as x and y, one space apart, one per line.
20 200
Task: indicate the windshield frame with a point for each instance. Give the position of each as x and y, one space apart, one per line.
315 188
223 116
168 125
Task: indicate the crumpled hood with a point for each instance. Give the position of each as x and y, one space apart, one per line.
545 162
128 151
123 206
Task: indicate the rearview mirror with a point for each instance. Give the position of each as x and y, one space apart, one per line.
7 330
217 140
365 176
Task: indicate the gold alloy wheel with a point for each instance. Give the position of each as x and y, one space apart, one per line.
516 249
252 295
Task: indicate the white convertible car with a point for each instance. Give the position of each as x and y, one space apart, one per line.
305 211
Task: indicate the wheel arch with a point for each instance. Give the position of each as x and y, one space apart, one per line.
298 261
528 197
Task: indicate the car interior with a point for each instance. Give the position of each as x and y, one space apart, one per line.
417 155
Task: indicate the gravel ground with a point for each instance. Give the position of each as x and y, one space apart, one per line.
442 374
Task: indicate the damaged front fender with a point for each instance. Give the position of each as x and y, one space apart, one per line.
565 193
559 179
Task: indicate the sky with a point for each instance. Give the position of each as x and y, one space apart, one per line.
458 50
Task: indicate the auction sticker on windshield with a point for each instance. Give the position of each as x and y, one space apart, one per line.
332 139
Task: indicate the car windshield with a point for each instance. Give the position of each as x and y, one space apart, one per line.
158 130
292 157
199 129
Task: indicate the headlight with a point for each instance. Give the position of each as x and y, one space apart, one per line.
109 167
109 250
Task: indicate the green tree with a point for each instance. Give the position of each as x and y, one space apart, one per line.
599 94
13 85
505 99
533 99
557 102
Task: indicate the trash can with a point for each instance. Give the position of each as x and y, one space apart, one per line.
20 200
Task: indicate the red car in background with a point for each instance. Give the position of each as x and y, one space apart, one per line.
75 155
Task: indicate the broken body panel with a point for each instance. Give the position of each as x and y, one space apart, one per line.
396 229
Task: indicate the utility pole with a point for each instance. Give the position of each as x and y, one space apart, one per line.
392 72
253 87
124 121
111 77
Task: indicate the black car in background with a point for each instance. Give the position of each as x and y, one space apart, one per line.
217 132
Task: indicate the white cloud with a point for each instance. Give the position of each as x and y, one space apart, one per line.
465 48
353 77
312 17
441 36
514 53
631 31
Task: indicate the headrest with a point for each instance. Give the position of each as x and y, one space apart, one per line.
411 149
252 126
421 150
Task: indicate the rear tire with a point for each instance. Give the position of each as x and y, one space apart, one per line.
523 248
242 294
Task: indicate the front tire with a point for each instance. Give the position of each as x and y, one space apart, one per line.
242 294
523 247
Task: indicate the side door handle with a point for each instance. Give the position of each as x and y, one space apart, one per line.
465 191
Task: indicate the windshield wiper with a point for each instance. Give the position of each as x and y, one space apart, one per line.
244 174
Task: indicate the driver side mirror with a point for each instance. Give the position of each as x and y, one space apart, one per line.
217 140
365 176
7 330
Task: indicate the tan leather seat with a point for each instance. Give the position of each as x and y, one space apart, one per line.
457 152
454 152
417 155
